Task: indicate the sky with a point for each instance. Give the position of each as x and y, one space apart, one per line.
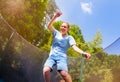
91 16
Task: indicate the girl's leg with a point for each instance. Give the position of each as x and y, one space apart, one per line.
66 76
46 74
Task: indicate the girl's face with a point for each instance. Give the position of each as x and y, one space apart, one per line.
64 28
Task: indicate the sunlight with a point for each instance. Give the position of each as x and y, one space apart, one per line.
15 6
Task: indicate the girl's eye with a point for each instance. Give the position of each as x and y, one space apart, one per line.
64 26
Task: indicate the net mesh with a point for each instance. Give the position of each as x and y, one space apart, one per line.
20 61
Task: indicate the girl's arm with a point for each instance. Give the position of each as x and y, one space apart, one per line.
50 25
86 55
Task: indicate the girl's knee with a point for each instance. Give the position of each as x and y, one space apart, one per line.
66 76
64 73
46 69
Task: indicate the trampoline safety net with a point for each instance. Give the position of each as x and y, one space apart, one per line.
20 61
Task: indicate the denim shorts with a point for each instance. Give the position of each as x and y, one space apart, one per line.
59 61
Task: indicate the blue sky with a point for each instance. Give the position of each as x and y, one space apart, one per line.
91 16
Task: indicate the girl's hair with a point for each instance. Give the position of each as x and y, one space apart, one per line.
67 24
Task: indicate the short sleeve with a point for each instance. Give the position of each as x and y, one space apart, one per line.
72 41
54 32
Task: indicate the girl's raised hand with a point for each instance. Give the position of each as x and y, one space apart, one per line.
58 14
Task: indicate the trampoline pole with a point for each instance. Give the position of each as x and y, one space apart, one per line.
81 69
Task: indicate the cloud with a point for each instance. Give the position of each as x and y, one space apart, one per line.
86 7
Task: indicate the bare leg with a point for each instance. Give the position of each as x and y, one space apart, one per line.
66 76
62 80
46 74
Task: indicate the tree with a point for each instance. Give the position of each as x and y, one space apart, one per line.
26 18
95 44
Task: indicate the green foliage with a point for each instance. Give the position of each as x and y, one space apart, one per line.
26 17
108 76
76 33
95 44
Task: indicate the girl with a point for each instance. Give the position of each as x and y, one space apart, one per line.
62 41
